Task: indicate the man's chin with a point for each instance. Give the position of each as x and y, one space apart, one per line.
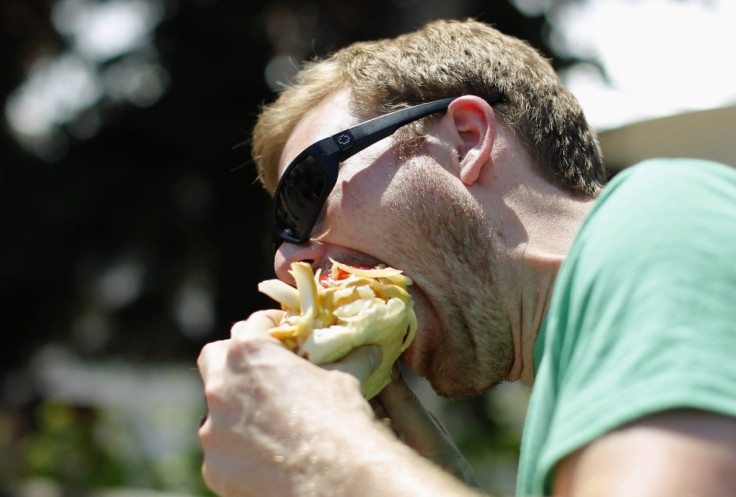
459 380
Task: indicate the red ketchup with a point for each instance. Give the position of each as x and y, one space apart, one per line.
326 277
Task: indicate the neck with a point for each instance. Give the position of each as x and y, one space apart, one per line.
548 222
531 303
534 223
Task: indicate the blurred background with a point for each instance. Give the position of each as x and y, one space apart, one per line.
133 230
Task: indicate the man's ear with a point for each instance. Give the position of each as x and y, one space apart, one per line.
474 124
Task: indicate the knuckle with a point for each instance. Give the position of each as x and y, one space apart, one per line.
204 354
209 477
239 328
242 351
250 345
205 435
215 393
344 379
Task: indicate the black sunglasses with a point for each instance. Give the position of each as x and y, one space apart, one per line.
311 176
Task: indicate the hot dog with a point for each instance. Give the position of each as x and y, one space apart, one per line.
329 314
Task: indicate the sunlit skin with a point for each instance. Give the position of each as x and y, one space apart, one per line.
380 210
279 425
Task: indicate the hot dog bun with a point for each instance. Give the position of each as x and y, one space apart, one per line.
328 315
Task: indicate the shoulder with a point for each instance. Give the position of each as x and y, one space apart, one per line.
660 230
662 198
668 175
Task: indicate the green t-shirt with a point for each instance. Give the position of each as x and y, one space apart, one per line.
643 313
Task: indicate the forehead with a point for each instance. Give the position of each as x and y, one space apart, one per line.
331 115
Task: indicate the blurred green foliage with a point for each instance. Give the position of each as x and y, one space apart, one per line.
64 447
76 450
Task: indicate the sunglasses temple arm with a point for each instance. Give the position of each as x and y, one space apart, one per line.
355 139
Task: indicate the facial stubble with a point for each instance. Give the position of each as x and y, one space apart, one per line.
450 248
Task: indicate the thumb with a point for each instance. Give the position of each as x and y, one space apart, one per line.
361 362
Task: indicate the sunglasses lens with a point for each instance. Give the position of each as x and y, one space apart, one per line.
300 199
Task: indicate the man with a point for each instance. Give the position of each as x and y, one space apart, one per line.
488 203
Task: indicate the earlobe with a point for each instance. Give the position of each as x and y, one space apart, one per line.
470 168
475 124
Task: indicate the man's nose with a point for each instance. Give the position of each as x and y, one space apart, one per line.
310 252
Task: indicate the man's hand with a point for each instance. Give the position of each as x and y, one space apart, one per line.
274 418
278 425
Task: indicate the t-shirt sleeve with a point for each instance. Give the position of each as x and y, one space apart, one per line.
646 307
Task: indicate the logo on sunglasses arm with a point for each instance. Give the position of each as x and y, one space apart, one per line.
344 139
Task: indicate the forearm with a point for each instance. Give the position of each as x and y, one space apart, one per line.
375 463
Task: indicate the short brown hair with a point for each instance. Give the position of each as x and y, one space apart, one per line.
443 59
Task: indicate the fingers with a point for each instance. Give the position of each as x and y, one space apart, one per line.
211 357
257 324
360 362
212 362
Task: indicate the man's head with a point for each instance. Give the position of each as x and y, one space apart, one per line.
446 59
449 199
